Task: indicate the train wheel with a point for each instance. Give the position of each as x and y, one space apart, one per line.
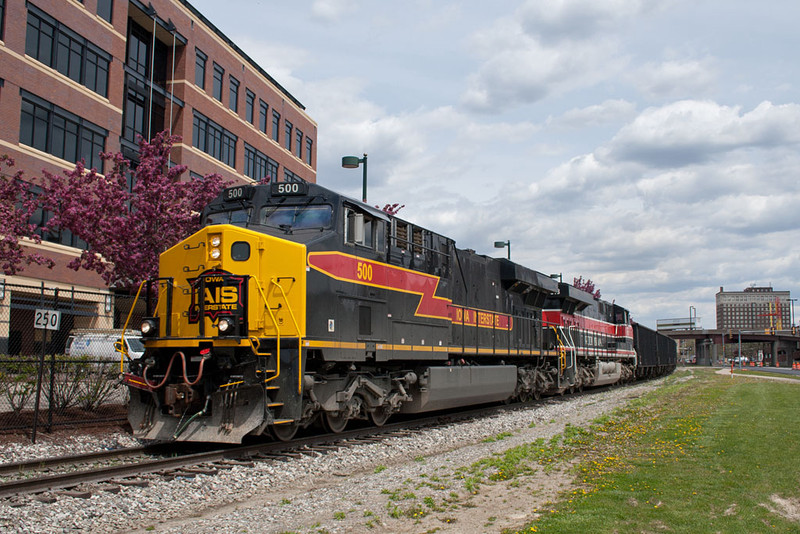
335 422
284 432
379 416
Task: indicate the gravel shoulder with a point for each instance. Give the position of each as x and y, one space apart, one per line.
410 484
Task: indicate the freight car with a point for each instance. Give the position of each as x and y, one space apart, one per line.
295 305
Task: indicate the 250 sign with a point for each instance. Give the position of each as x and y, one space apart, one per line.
47 319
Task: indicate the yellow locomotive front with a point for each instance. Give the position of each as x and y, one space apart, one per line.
223 352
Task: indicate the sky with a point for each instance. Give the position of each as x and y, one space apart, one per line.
648 145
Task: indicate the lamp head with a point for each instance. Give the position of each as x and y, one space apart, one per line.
350 162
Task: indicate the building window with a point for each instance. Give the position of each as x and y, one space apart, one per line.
135 118
262 116
233 94
276 123
214 140
219 74
258 165
135 113
309 145
200 60
299 143
2 18
60 48
105 9
138 50
288 137
289 176
56 131
249 105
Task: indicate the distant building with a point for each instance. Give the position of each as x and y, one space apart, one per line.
755 308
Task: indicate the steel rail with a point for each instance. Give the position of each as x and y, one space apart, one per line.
260 451
42 463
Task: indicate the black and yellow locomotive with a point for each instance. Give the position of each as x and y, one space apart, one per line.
294 305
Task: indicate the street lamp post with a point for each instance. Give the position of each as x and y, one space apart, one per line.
352 162
691 323
504 244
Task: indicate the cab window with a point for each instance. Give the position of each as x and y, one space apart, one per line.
297 217
238 217
364 230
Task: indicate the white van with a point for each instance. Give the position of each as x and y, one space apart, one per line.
100 344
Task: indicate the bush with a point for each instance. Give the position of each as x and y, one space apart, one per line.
99 386
70 373
18 383
77 382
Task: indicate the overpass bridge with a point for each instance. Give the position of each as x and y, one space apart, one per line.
709 344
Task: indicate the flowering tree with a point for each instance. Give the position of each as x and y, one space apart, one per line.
17 204
392 209
586 285
127 230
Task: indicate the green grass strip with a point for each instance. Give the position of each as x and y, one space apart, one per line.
709 454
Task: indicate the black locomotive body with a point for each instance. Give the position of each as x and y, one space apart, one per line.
294 305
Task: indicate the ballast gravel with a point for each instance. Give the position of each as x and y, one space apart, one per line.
400 484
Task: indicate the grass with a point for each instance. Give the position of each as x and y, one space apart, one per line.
708 454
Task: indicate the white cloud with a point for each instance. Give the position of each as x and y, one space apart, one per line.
692 131
610 111
331 10
577 19
547 48
676 78
526 71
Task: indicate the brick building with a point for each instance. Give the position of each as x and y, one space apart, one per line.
80 77
755 308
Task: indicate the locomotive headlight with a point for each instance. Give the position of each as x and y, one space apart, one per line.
225 325
214 242
149 327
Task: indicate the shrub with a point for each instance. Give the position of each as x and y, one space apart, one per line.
98 386
18 383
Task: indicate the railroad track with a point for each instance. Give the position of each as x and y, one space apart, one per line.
125 467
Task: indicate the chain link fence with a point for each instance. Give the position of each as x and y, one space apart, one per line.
58 363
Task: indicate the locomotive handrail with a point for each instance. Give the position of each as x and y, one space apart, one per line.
571 344
299 337
274 281
277 329
562 351
123 353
